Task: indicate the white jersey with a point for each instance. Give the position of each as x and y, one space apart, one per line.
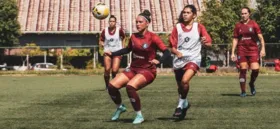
189 45
112 42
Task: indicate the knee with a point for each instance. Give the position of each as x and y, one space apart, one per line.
130 89
185 82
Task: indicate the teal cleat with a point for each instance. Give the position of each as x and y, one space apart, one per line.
138 119
243 94
118 112
252 88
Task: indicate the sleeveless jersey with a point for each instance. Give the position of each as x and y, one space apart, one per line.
112 42
189 45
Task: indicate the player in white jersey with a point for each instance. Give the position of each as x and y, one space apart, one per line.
112 39
186 40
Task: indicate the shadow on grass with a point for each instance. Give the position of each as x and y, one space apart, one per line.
233 95
173 119
121 120
236 95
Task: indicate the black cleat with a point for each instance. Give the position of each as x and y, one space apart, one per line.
184 112
178 112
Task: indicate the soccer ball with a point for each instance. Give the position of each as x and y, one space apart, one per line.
100 11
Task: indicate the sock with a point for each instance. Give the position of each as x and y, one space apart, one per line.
139 112
106 79
114 74
242 80
134 98
186 104
115 94
181 102
254 75
185 90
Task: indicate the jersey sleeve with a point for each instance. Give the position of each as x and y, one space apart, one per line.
102 37
235 31
203 33
159 43
257 28
173 38
122 34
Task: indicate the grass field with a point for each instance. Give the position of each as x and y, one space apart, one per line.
80 102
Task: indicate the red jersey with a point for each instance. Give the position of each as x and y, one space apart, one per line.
247 35
144 49
121 33
173 40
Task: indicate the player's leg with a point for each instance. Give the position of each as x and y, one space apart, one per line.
191 69
242 74
107 69
116 65
179 73
137 82
254 65
113 89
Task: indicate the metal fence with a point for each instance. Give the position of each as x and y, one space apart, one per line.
219 54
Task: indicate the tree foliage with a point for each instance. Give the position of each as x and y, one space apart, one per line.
219 18
31 49
268 17
9 25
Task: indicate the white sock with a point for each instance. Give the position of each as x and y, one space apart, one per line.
186 103
181 102
139 112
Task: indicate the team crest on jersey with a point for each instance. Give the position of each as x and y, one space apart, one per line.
145 45
250 29
187 39
111 40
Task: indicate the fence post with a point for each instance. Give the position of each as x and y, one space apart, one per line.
61 60
94 58
227 58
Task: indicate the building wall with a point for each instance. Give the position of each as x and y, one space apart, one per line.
60 39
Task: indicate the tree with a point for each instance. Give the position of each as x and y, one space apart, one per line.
219 18
268 17
9 25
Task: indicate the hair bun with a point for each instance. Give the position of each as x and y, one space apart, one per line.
146 13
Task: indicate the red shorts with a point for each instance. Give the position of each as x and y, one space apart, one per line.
147 73
191 66
179 73
248 59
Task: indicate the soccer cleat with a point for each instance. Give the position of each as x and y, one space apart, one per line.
178 112
138 119
243 94
118 112
184 112
252 88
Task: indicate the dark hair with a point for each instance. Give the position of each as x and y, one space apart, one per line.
248 9
146 14
193 9
113 16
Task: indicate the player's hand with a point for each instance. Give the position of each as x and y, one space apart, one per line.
179 55
154 61
107 53
262 53
203 40
233 58
101 44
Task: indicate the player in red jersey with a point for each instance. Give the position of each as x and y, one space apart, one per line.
245 37
142 70
186 40
112 38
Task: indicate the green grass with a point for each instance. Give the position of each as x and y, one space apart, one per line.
80 102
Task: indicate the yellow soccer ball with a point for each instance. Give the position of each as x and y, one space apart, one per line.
100 11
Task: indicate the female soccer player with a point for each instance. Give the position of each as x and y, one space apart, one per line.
245 37
186 40
112 39
142 70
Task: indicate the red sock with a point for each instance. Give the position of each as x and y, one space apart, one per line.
134 98
254 76
106 79
185 90
115 94
242 79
